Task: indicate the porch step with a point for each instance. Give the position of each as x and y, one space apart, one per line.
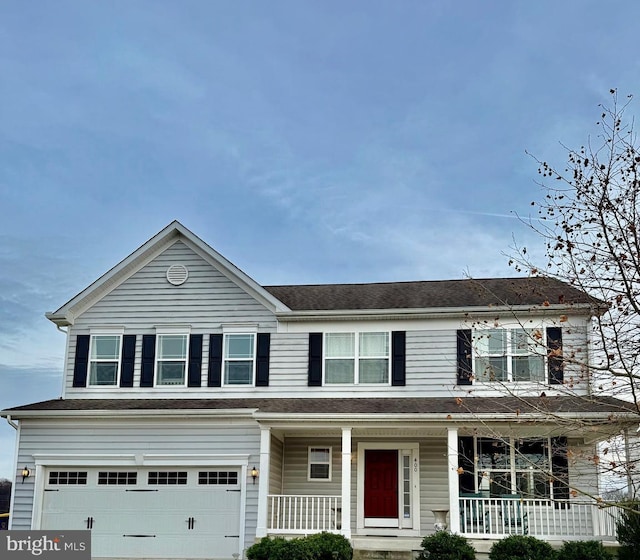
385 548
365 554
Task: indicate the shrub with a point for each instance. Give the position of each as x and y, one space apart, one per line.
273 549
628 529
323 545
447 546
519 547
584 550
320 546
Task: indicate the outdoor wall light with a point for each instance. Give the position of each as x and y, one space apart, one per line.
254 474
26 473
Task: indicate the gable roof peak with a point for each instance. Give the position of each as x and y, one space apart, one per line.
174 231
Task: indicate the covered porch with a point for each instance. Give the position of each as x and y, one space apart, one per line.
401 481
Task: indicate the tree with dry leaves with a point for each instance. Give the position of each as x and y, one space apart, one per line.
588 220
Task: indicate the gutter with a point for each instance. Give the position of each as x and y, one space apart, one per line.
434 312
442 417
231 412
11 422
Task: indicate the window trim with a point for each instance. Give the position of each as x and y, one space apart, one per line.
356 358
225 338
93 334
311 448
509 354
161 332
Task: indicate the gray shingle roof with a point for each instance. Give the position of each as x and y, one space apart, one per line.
429 294
439 405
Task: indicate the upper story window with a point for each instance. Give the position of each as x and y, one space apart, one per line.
171 359
239 358
509 355
356 357
104 359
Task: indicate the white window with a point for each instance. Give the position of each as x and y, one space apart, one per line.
104 359
320 463
356 357
515 467
239 358
171 359
509 355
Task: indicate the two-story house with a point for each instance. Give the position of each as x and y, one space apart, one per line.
202 410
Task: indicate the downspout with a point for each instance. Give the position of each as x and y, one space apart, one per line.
64 367
627 456
11 422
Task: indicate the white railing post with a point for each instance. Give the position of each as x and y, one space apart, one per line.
345 522
454 482
263 482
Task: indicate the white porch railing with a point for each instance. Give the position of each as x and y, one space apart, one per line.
571 519
479 517
304 514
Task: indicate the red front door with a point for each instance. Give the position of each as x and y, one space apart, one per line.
381 483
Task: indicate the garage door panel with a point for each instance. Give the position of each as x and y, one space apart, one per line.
143 515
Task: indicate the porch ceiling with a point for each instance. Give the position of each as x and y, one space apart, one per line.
420 430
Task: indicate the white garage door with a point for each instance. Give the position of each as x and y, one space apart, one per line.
148 513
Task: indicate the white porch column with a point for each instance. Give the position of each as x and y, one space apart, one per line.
346 482
263 482
454 482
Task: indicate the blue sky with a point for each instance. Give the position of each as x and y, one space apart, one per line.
307 141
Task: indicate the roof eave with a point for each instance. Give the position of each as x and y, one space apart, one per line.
584 309
105 413
61 319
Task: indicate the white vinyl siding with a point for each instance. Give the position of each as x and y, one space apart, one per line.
145 299
430 366
296 466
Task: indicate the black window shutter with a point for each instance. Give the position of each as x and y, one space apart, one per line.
560 471
555 363
398 354
148 360
466 464
82 361
315 360
195 361
214 378
128 360
262 359
465 368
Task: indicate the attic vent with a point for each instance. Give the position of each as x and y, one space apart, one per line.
177 274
